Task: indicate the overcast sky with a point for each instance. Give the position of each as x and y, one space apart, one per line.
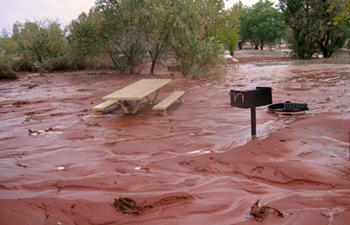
62 10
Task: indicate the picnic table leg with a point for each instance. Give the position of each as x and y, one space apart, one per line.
136 107
156 96
154 99
124 108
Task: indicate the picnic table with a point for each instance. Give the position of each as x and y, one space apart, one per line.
136 92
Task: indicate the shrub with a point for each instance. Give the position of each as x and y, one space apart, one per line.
60 63
6 72
200 57
79 64
24 65
63 63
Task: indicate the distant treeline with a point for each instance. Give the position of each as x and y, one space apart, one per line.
124 34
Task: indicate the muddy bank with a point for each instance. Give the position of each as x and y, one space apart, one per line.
61 164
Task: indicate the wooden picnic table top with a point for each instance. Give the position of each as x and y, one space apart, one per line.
138 90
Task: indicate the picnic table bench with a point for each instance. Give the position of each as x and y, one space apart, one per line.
104 105
169 100
136 92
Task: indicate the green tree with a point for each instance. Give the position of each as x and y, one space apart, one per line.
156 19
161 22
40 40
133 31
185 29
194 41
230 26
297 17
247 21
7 50
85 37
126 30
262 24
318 25
7 44
332 31
124 42
343 14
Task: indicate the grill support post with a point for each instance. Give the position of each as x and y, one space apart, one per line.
253 120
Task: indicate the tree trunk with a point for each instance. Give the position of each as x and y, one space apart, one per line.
324 46
261 45
154 59
256 45
153 66
240 45
326 53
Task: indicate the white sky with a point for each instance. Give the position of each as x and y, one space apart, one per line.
62 10
20 10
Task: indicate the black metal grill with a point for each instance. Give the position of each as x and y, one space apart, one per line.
251 99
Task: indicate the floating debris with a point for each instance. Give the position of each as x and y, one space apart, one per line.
258 213
37 132
30 116
30 86
19 103
60 168
58 184
93 125
34 132
127 206
84 116
30 113
145 168
56 114
50 129
21 165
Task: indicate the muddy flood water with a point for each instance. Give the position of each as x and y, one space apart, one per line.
60 164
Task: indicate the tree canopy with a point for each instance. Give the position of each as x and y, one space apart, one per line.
130 31
40 40
230 25
262 24
317 25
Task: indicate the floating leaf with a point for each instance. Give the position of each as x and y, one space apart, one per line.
127 206
258 213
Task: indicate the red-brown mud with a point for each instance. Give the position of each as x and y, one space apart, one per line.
61 164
